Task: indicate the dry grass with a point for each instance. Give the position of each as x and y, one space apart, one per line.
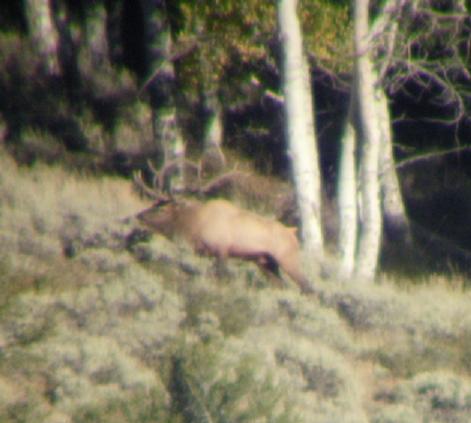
94 328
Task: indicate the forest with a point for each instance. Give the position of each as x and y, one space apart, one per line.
347 120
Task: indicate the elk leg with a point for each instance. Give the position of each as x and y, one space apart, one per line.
269 264
292 268
269 267
221 268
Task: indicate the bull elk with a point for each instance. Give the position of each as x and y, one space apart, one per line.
221 229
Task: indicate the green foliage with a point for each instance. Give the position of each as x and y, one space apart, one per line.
464 345
11 282
410 357
327 31
145 407
396 414
28 410
224 28
207 385
225 35
229 34
407 360
233 313
430 396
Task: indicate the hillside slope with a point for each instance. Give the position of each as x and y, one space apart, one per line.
100 324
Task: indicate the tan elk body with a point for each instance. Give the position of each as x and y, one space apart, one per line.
221 229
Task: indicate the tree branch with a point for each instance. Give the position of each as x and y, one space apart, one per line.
430 155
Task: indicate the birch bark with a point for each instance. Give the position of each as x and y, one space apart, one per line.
161 85
300 127
44 33
347 201
369 130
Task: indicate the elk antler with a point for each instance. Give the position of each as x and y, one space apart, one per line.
220 181
143 188
159 190
159 177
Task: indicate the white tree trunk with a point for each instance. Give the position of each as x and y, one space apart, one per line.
44 33
213 160
96 37
359 248
214 127
371 218
347 201
161 87
300 127
395 217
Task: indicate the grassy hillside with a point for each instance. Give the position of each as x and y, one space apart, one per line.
100 324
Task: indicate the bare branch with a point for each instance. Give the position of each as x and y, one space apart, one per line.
272 95
430 155
416 42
